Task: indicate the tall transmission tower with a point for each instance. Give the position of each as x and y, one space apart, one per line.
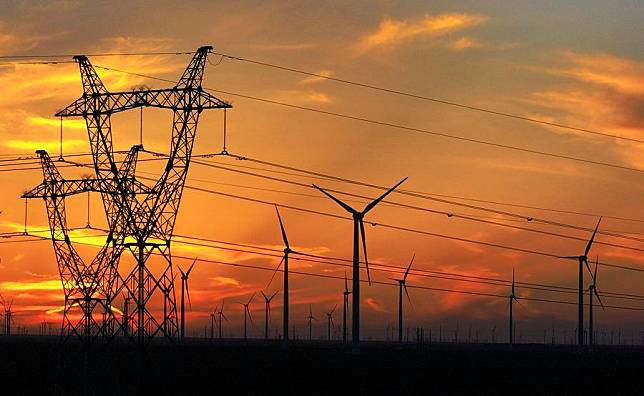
140 218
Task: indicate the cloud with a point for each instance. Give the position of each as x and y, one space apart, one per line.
223 280
279 47
393 33
49 145
375 305
36 285
464 43
599 92
316 79
55 123
303 97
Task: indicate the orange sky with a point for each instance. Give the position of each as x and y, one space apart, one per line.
578 63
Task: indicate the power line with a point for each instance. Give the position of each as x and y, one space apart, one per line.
432 198
330 78
98 54
317 176
327 276
399 126
399 270
400 228
449 214
430 99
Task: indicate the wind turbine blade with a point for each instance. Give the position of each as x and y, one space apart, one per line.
595 272
569 257
599 298
587 266
275 272
513 282
377 200
409 267
590 242
183 275
274 294
251 298
407 293
188 294
346 283
222 305
284 238
249 315
190 269
345 206
364 247
265 298
224 316
334 307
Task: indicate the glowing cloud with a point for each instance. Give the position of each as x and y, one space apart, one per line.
49 145
315 79
37 285
374 305
392 33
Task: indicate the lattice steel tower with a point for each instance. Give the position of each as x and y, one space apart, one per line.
141 219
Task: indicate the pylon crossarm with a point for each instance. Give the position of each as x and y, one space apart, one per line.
110 103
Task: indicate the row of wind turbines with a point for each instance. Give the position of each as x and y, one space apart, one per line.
359 235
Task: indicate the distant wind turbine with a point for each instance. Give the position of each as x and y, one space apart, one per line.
221 315
287 251
358 228
329 322
345 308
583 260
267 313
8 315
403 285
184 288
213 322
512 297
592 289
311 319
247 313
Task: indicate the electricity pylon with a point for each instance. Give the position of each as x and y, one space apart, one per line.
141 219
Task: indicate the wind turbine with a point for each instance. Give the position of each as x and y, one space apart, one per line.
345 308
213 321
592 289
512 298
221 315
329 318
267 313
311 319
247 311
403 285
184 288
583 260
358 228
287 251
8 315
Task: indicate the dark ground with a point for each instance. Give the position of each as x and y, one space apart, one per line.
40 365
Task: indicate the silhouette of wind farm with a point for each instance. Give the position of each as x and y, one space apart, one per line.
121 331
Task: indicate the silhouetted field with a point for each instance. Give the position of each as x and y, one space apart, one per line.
40 365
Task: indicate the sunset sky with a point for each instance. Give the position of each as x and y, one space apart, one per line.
578 63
